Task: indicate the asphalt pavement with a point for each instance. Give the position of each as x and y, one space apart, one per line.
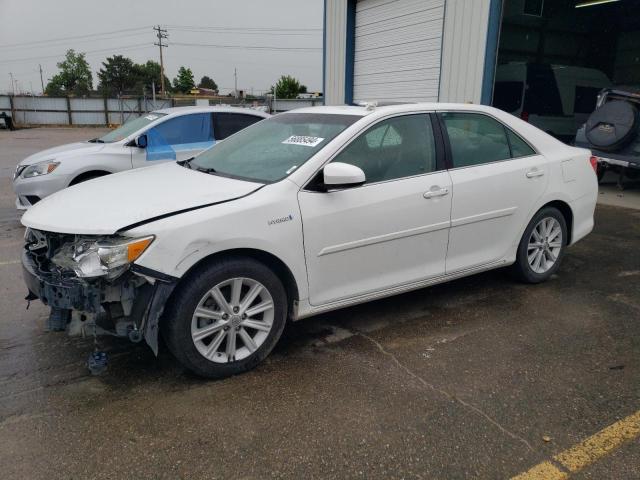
482 377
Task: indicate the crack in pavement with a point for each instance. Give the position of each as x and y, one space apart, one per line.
455 398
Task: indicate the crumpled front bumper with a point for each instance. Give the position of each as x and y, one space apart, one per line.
74 293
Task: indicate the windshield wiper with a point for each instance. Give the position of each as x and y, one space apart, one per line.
186 163
206 169
96 140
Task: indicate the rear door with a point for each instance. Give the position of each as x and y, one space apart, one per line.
389 232
497 179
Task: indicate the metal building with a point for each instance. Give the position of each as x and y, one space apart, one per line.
410 50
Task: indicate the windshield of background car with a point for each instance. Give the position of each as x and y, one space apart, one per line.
130 127
274 148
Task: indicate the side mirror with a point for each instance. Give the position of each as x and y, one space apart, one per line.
141 141
344 175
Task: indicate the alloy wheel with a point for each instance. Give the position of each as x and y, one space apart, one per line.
545 244
232 320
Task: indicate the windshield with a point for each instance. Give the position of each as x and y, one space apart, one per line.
274 148
130 127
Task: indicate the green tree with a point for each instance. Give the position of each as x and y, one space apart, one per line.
119 74
184 81
74 77
207 82
149 74
288 87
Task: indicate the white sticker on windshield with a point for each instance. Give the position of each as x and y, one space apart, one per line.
303 140
151 117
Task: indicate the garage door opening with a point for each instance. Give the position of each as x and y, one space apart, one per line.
555 56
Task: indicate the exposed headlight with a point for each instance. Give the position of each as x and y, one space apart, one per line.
40 168
96 258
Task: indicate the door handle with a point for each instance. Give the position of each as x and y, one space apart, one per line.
534 173
436 193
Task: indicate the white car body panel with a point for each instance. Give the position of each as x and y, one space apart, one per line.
342 247
83 157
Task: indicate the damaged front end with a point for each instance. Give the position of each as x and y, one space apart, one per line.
92 285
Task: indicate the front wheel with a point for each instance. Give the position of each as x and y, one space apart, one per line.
226 318
541 247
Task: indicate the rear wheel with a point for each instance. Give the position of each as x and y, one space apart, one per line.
226 318
541 247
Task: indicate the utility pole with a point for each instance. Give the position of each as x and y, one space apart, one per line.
161 34
13 87
41 79
235 82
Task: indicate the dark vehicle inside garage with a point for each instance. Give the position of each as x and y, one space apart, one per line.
560 65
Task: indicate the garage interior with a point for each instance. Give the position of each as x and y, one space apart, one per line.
557 36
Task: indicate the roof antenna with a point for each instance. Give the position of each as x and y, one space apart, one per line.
368 105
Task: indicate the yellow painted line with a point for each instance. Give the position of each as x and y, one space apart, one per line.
586 452
542 471
10 262
600 444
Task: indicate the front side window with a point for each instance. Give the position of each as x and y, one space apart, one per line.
130 127
270 150
194 128
475 139
226 124
394 148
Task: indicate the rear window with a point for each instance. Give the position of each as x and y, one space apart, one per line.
542 96
507 96
585 99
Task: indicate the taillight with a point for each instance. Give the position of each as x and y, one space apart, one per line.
524 116
594 163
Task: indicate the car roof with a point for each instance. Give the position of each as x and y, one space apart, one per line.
210 108
391 109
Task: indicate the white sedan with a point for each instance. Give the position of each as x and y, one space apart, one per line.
169 134
306 212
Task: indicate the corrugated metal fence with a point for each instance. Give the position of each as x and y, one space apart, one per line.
31 110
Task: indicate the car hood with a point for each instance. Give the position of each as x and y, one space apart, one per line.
79 148
117 202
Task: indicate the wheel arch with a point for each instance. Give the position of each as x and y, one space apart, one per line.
567 213
81 177
279 267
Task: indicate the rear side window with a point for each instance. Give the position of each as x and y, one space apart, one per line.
194 128
475 139
519 148
507 96
226 124
395 148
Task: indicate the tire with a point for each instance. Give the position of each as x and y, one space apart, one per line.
186 333
612 126
600 171
551 250
87 177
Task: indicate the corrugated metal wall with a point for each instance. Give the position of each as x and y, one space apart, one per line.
397 50
463 50
335 46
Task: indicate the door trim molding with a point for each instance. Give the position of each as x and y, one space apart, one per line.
481 217
383 238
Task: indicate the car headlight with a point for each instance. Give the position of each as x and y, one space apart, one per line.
40 168
106 257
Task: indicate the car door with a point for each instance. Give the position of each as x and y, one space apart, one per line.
389 232
226 124
177 138
496 179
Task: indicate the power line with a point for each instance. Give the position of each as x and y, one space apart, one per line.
57 43
73 37
240 32
247 47
251 29
88 52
